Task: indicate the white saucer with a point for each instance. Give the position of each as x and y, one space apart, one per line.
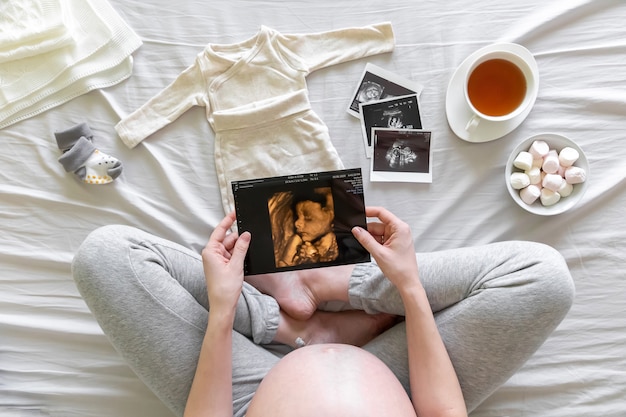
459 113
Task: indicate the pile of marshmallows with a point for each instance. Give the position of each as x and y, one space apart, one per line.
546 174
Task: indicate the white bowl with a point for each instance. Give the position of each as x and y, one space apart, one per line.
556 142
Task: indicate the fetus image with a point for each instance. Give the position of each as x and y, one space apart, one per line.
370 91
399 155
394 118
302 227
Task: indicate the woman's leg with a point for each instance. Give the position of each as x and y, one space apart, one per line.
494 306
149 296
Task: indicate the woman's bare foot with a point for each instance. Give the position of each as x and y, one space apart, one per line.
290 290
299 293
353 327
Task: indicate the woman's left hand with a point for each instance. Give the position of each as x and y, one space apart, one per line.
223 258
391 244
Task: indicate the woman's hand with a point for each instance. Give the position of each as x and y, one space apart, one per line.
223 258
391 244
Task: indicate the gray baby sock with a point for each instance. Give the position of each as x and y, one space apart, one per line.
82 158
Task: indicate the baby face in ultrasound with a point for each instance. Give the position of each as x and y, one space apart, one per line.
312 221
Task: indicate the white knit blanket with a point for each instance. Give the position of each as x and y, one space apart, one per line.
98 56
32 27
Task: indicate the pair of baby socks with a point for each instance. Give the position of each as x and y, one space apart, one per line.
81 157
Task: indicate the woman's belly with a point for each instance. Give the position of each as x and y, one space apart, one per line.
330 380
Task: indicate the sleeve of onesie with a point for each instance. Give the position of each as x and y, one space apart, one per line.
170 103
322 49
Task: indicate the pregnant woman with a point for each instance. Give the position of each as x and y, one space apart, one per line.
209 343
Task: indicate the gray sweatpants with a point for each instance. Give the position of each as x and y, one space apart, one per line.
494 306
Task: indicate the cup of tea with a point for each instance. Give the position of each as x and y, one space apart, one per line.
499 86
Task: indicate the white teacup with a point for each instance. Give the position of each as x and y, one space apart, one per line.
499 85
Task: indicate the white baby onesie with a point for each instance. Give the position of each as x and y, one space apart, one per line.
257 103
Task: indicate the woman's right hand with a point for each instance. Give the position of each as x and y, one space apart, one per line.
223 259
391 244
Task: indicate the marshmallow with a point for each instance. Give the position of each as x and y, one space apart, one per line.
539 149
568 156
530 194
552 182
549 197
534 174
548 175
523 161
575 175
551 162
566 189
519 180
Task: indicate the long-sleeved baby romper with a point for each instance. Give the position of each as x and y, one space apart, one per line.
257 103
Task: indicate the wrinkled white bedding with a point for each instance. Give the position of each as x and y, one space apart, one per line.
55 361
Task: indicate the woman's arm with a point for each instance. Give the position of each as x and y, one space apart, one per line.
223 256
435 388
211 391
434 385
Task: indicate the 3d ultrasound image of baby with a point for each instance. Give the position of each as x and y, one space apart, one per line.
302 227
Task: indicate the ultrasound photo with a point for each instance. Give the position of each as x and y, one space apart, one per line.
301 221
401 155
378 84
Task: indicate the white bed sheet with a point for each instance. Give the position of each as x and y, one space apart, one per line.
54 359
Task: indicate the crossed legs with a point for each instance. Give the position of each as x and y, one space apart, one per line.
494 306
